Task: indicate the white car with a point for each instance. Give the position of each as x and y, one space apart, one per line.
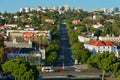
78 70
47 69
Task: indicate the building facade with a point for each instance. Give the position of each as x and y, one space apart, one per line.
102 46
26 35
31 55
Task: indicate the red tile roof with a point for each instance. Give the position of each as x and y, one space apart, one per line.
28 35
2 27
109 43
98 43
102 43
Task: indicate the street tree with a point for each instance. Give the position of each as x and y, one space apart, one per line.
118 74
106 61
80 53
2 55
72 37
53 48
52 57
52 51
20 69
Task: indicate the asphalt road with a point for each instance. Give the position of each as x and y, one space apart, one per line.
74 76
65 60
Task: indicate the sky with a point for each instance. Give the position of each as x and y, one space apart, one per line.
15 5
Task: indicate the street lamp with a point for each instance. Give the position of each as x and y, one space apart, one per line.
63 63
63 58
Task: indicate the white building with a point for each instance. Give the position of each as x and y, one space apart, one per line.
32 55
11 25
83 39
98 26
113 39
114 10
96 17
27 9
105 10
102 46
38 8
32 9
55 8
61 8
66 7
22 10
86 39
21 33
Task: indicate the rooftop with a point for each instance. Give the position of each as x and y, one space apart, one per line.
102 43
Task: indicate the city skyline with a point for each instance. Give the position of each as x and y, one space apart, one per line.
14 5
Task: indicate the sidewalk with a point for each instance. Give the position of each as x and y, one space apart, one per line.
81 66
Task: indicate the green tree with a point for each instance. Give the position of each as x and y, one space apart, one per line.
80 53
52 51
107 29
1 40
96 31
2 55
52 57
53 48
20 69
81 29
106 61
116 31
118 74
101 19
2 21
72 37
87 21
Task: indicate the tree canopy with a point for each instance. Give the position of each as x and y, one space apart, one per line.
2 55
106 61
20 69
80 53
52 51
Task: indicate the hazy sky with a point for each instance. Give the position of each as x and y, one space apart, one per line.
14 5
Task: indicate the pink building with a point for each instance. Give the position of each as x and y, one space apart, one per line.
49 21
76 21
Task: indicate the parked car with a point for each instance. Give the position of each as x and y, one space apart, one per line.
47 69
78 70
